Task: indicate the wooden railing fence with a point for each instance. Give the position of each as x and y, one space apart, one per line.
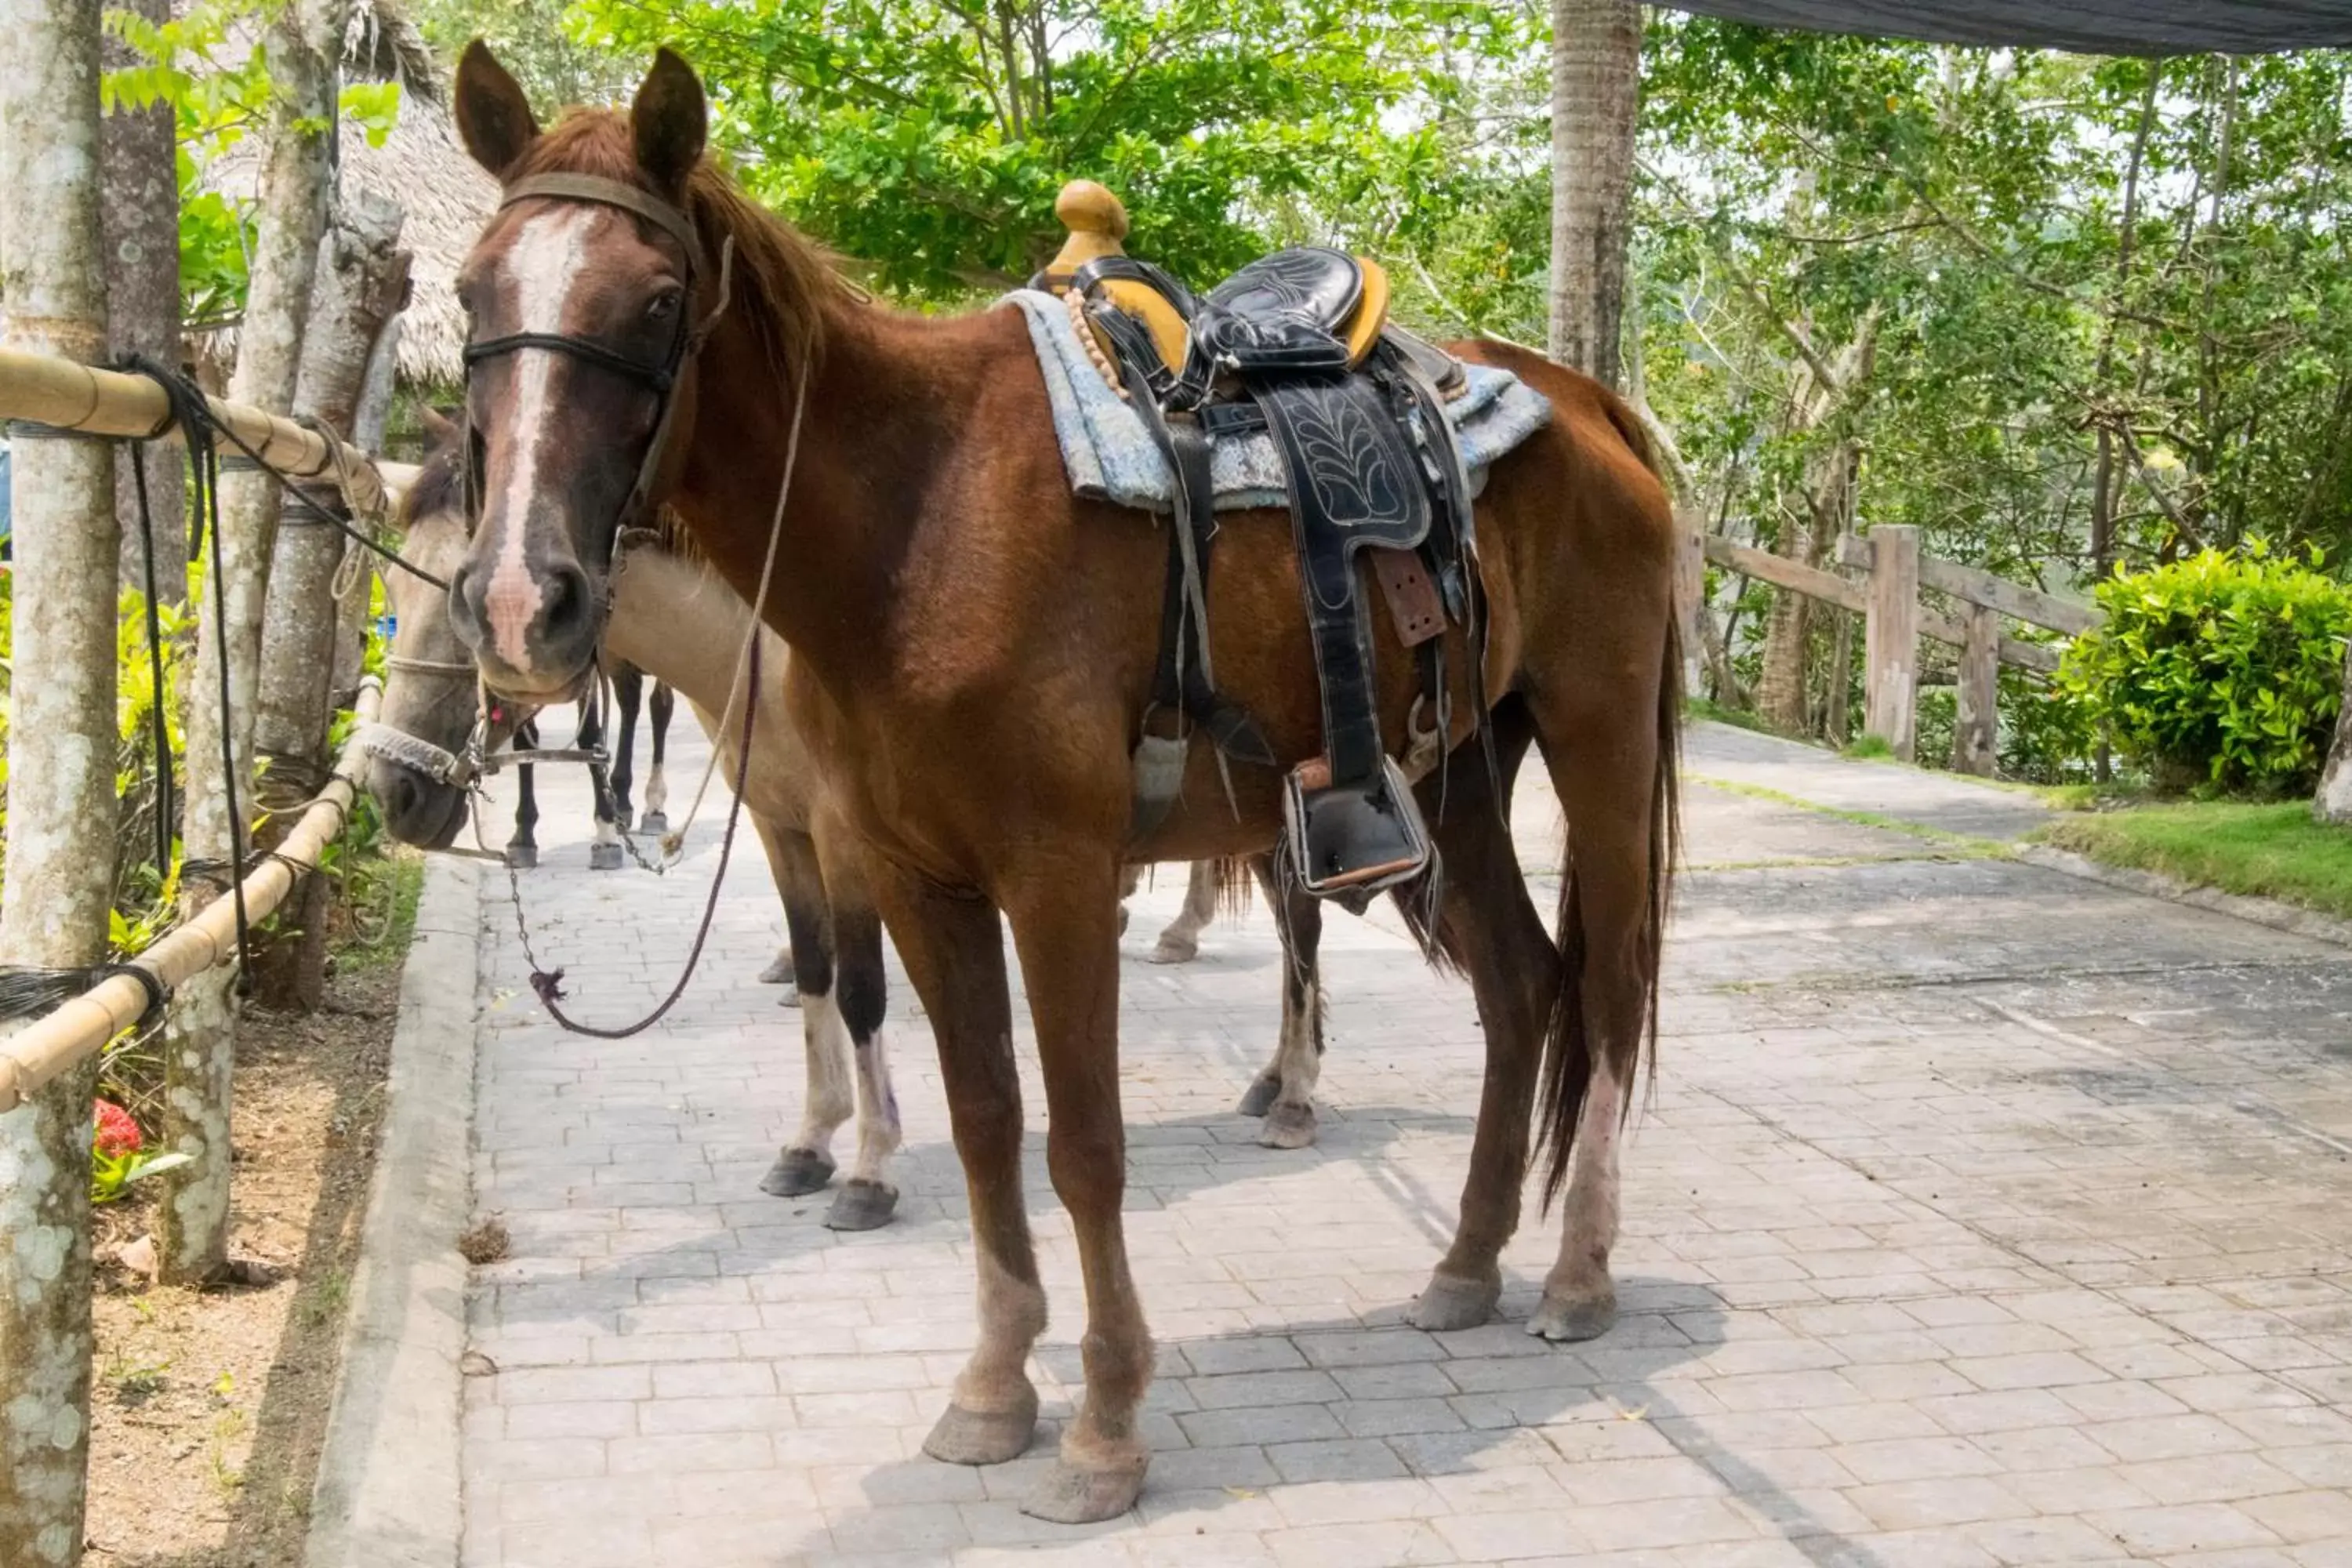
1888 598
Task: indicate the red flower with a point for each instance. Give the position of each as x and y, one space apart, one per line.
117 1133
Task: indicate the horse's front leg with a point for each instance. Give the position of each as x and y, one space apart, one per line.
861 995
629 693
781 870
660 706
805 1164
1285 1092
604 851
522 849
954 953
1064 926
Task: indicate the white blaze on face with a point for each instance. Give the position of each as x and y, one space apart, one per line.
542 268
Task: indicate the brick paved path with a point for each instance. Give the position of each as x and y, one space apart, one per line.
1982 1215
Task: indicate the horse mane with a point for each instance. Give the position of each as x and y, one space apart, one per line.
780 280
435 489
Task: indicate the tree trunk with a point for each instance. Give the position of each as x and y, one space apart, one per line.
368 427
61 806
362 281
140 218
1596 78
1780 679
200 1046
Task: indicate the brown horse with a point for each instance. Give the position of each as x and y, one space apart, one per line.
972 653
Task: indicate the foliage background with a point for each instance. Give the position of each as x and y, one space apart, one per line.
2096 309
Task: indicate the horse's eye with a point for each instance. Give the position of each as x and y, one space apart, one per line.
663 305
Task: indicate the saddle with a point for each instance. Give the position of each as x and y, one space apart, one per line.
1296 344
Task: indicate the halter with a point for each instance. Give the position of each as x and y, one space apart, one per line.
661 378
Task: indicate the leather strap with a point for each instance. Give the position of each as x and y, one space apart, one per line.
594 188
1352 485
661 378
1412 597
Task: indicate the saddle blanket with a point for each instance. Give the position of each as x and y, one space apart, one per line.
1111 456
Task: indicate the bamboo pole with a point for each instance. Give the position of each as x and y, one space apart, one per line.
80 1027
69 396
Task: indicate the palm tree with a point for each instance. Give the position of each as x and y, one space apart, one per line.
1596 66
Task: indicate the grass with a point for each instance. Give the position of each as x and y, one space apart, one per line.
1956 846
1701 707
2272 851
386 916
1867 748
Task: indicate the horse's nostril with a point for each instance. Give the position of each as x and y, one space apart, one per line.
566 613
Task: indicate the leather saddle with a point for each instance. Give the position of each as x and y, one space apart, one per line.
1296 344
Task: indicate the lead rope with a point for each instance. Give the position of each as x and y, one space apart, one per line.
548 985
673 844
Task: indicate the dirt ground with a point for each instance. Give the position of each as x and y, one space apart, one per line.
210 1408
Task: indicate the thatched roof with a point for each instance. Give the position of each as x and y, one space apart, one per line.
420 166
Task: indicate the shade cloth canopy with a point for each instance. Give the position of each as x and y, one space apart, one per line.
2086 27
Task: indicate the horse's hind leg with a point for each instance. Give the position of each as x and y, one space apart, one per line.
1489 928
805 1164
954 953
861 993
1608 784
1285 1092
1181 943
661 706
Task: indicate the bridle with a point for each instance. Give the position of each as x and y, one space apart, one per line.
452 770
661 378
466 771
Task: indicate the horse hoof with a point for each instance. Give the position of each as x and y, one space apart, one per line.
791 998
1288 1127
1558 1319
604 857
1450 1303
797 1172
1069 1495
964 1436
1259 1097
653 821
862 1205
522 857
1176 949
778 973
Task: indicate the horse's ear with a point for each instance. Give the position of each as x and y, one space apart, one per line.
438 427
670 119
493 116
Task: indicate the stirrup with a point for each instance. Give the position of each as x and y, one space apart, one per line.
1351 839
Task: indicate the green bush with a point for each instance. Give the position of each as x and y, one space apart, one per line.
2220 669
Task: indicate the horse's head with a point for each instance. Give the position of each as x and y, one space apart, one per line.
430 697
584 296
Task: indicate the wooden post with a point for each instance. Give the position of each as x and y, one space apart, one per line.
1975 736
361 280
1690 593
61 745
1890 639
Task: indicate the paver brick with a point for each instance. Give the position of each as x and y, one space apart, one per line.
1903 1281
